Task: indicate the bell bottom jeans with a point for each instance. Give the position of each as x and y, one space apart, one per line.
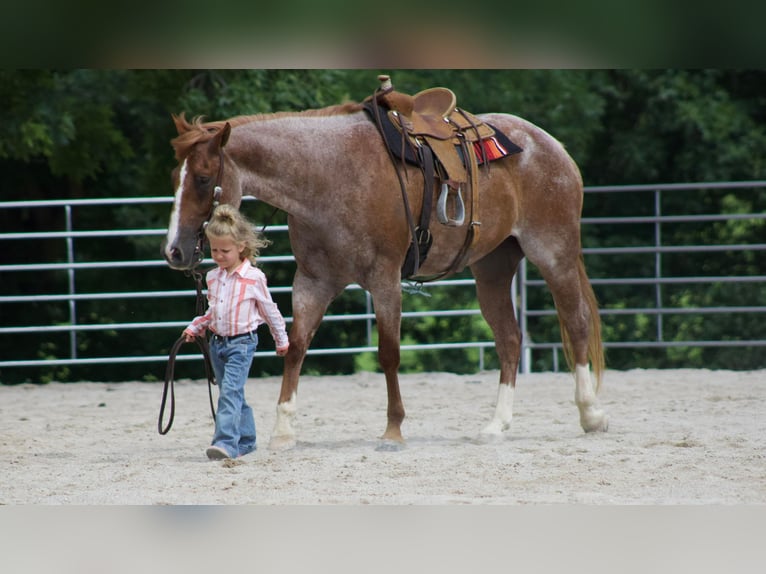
231 358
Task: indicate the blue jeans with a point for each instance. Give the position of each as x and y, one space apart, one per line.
234 423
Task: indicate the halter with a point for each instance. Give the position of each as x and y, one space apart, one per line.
199 249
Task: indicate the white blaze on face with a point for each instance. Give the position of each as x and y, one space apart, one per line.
175 213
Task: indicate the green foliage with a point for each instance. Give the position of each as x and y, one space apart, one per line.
680 125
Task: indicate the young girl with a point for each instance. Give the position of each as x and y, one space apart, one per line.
238 302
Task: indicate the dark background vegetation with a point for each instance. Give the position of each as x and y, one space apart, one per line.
85 133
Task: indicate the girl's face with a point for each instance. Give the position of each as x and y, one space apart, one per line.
226 253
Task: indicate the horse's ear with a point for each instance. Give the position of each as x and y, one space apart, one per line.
225 132
182 126
220 138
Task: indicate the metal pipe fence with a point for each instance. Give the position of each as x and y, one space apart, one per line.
527 291
658 280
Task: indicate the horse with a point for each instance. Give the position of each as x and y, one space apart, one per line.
329 171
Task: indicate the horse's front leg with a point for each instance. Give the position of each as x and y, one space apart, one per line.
310 301
388 314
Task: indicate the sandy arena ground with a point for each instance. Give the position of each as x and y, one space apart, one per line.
690 437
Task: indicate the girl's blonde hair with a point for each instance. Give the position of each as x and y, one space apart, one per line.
227 221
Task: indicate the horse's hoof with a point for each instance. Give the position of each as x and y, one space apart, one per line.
595 420
495 428
489 438
282 442
388 445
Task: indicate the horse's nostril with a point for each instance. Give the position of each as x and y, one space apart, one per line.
173 255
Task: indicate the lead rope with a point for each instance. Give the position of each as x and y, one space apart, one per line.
202 343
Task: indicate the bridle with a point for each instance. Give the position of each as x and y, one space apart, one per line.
199 248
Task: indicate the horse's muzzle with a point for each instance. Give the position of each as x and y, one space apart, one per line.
177 257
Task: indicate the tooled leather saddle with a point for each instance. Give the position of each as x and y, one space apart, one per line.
449 144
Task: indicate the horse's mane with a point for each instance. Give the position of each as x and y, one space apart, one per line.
198 130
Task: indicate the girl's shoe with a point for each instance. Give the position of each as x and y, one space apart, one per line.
216 453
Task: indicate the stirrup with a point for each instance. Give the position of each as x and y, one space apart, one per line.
441 208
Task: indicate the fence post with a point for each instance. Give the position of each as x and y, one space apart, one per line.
658 261
368 309
520 279
71 281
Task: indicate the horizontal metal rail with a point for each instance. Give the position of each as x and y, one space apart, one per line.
667 280
182 324
104 233
483 345
197 357
661 311
675 186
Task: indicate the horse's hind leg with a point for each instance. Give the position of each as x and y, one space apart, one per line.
580 333
494 275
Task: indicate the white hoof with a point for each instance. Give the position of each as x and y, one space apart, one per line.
495 428
488 438
594 420
501 420
282 442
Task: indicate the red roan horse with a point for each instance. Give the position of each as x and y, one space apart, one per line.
329 171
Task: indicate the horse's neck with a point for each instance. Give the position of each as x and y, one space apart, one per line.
284 162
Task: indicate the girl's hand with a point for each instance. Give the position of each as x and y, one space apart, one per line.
188 337
282 351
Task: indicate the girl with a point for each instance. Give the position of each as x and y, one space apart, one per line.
238 302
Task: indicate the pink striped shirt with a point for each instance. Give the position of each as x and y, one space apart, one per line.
238 302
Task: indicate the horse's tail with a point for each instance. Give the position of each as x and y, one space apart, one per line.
595 346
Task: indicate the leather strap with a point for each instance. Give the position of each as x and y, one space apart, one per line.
405 199
170 368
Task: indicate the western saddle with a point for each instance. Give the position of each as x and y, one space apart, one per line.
440 137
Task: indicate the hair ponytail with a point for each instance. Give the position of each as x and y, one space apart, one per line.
227 221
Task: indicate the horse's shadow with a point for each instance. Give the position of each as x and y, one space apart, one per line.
380 445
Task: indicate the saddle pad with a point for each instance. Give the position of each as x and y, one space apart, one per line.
496 147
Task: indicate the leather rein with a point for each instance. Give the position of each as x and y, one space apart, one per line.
202 343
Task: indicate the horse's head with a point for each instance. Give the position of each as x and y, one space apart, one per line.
203 177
